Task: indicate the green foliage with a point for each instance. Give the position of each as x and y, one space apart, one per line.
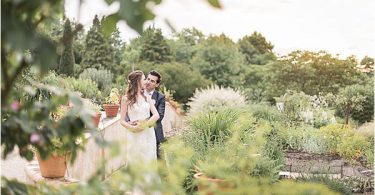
209 129
103 78
182 80
266 112
256 82
87 87
98 52
219 60
368 62
365 114
28 123
312 73
154 47
183 48
214 99
333 135
67 58
350 99
358 184
256 49
353 147
333 184
293 104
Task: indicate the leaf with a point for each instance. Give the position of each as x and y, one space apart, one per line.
109 24
214 3
136 13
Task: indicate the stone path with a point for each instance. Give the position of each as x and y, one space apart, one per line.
13 167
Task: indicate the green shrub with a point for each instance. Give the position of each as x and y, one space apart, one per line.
207 130
367 113
215 98
353 147
87 87
266 112
333 184
103 78
293 104
333 135
313 142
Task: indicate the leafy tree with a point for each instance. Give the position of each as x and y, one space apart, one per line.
219 60
183 47
118 47
256 49
67 58
365 89
257 82
98 52
154 47
368 62
312 73
349 99
182 80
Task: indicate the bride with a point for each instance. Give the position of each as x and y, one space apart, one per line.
135 117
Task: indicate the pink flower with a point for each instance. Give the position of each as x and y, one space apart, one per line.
15 106
34 138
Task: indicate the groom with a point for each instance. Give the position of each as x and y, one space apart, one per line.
152 82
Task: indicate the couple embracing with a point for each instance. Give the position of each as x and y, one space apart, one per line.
141 108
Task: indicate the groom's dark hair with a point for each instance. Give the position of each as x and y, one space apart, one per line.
157 74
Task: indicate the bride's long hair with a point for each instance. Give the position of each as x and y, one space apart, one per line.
134 84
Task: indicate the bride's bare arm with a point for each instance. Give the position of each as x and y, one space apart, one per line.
123 112
155 114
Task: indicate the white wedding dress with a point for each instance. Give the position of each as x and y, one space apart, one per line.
141 149
140 146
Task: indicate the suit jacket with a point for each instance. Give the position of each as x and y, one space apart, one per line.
160 107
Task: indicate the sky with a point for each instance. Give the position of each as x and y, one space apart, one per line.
344 27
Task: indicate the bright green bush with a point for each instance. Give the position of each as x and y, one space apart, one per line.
214 99
353 147
334 134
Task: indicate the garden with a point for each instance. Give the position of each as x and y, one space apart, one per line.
254 122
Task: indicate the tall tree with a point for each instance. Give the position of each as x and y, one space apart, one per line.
67 58
118 46
183 44
219 60
256 49
98 52
155 48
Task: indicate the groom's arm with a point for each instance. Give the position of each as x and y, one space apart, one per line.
161 108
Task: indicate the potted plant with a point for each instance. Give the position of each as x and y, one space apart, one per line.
96 111
111 105
55 165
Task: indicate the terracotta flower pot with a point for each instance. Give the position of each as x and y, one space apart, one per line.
205 183
54 166
96 119
111 110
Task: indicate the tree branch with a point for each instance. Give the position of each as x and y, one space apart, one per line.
9 82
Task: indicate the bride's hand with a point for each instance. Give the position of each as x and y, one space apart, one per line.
136 128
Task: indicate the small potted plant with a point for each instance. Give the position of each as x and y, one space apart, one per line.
55 165
96 111
111 105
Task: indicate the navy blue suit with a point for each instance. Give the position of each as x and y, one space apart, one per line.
160 107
